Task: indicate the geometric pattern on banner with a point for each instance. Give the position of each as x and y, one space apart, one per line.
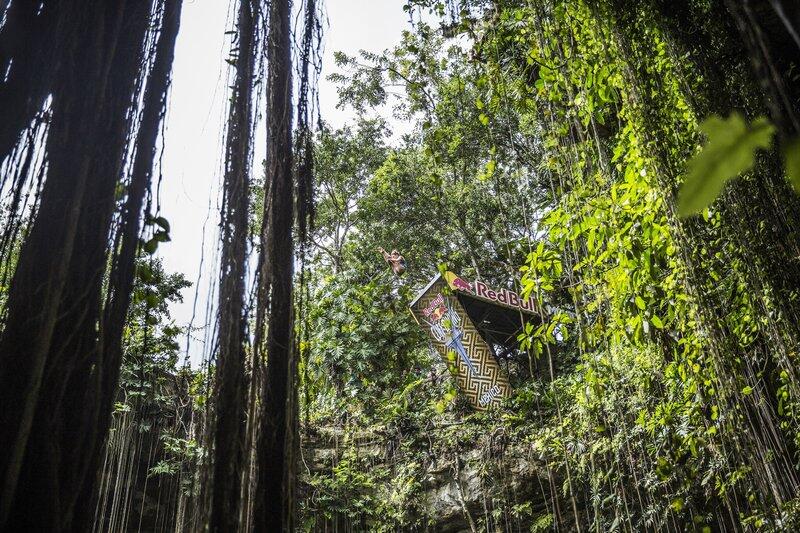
480 377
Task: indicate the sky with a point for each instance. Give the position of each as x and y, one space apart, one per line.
192 157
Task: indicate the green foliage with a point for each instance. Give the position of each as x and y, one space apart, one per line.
150 338
345 159
364 342
179 453
153 456
729 151
360 490
550 142
160 233
792 159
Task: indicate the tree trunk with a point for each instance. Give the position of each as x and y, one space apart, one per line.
28 59
51 391
231 387
127 242
275 486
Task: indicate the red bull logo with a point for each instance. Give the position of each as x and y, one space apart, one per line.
456 283
505 297
438 313
461 285
436 309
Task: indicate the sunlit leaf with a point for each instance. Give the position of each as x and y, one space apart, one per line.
730 150
791 155
657 322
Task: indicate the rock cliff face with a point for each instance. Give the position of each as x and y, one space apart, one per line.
491 485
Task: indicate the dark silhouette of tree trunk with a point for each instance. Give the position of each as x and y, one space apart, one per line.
275 485
231 387
55 370
28 65
123 269
40 278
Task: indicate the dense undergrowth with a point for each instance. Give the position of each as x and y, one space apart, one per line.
658 390
553 136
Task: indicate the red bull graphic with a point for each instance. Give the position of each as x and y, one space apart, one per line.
505 297
456 283
445 326
436 309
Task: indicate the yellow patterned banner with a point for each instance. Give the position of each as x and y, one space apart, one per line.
480 377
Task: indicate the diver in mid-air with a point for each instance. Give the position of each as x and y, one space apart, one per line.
395 260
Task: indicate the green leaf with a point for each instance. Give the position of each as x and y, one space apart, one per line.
484 119
791 155
657 322
747 391
163 222
640 303
151 246
161 236
490 166
730 150
151 300
145 273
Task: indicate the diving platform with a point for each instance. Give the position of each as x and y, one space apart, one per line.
473 327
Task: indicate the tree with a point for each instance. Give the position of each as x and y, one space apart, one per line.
54 371
229 441
151 430
345 159
276 443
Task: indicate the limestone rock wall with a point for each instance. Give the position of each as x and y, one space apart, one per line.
355 482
